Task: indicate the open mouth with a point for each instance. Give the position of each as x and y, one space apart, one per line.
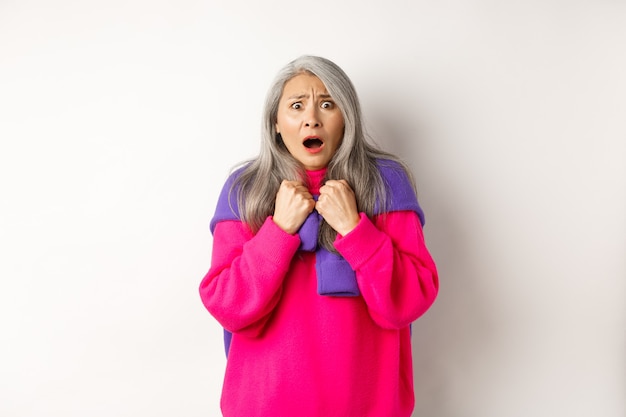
313 143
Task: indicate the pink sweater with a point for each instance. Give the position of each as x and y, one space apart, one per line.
296 353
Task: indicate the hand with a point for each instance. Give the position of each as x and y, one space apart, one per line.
337 205
293 205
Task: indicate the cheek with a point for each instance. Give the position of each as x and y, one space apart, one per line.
285 124
339 127
338 122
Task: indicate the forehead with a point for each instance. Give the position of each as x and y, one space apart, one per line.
303 84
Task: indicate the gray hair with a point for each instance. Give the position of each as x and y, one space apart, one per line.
355 160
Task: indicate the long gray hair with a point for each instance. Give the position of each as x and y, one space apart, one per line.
355 160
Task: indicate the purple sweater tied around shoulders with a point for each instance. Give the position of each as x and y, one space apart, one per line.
335 277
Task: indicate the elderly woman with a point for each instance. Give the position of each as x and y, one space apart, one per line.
319 264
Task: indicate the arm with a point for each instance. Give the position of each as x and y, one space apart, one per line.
395 272
244 283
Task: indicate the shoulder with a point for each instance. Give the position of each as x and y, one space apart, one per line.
393 173
401 193
236 172
233 183
227 206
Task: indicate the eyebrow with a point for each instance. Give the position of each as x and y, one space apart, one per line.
301 96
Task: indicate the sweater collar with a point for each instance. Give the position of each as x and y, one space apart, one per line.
315 180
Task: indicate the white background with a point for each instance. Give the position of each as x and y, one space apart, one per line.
120 119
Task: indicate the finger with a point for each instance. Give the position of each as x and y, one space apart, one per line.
345 184
336 185
294 188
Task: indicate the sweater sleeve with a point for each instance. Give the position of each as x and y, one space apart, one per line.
244 283
396 275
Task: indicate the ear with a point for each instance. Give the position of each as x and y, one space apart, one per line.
276 127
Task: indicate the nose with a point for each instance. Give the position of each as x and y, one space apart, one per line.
311 117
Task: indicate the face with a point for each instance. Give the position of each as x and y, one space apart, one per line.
309 121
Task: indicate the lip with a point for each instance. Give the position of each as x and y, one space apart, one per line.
313 150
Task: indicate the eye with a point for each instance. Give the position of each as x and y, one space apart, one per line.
296 106
327 104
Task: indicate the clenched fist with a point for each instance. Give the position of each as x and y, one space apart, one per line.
293 205
337 204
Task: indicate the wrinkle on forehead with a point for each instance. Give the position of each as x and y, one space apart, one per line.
323 92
